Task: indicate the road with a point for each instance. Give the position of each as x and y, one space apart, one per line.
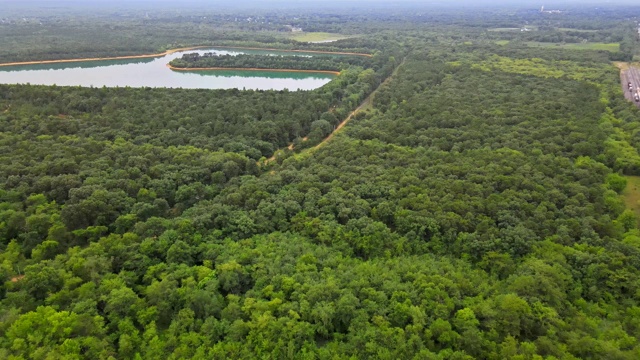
630 74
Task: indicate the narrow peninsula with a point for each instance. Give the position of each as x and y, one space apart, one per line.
295 63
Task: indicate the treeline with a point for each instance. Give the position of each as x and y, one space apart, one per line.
25 42
280 62
568 35
51 34
88 36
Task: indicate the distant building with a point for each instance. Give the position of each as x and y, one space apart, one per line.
293 28
542 10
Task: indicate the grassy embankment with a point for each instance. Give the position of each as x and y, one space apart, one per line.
631 194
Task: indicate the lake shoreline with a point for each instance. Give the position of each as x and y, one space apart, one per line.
169 52
290 50
143 56
254 69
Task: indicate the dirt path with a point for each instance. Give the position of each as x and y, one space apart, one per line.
366 102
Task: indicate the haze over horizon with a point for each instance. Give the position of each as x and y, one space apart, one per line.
290 3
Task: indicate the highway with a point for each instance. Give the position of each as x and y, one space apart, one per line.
631 75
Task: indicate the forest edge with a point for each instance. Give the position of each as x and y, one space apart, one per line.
168 52
253 69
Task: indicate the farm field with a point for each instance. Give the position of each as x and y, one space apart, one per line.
504 29
578 30
514 29
316 37
613 47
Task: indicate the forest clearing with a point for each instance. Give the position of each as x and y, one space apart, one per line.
631 194
317 37
613 47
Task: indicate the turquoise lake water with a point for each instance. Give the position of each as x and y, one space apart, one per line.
153 72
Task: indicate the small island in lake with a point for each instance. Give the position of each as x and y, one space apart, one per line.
320 63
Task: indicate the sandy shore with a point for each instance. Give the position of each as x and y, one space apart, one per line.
104 58
253 69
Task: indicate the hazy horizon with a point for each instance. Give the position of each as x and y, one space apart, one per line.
303 3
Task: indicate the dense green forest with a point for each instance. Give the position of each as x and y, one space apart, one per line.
255 123
470 209
315 62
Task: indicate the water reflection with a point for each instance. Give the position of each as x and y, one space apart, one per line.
153 72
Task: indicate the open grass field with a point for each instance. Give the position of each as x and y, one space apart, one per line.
613 47
502 42
514 29
504 29
631 194
578 30
316 36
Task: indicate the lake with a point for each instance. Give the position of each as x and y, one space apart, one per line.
153 72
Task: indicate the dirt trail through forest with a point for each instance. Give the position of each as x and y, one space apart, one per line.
366 102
